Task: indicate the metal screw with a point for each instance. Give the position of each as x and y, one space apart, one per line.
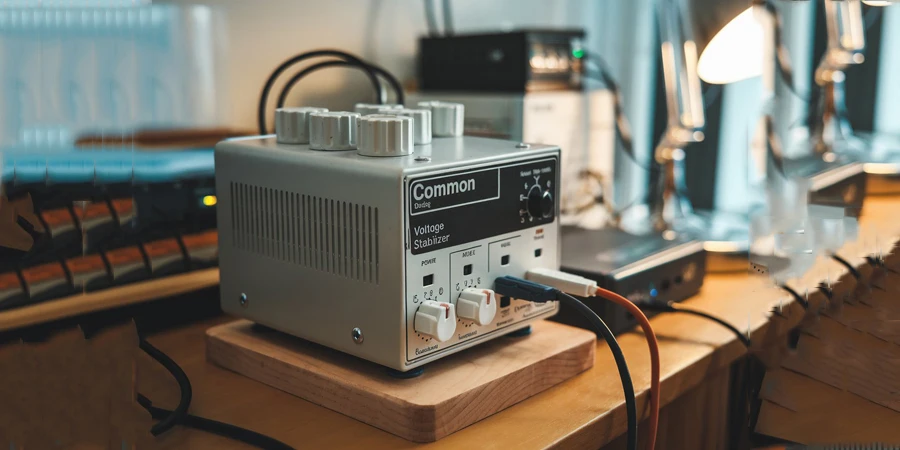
357 336
422 159
244 300
522 145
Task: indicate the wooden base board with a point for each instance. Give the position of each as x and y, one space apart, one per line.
453 392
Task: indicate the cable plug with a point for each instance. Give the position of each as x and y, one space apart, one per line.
524 290
566 282
651 305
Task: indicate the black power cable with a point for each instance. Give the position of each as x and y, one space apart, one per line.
179 416
600 326
513 287
846 264
796 295
264 95
673 307
395 84
213 426
184 384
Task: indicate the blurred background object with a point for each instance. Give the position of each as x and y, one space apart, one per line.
108 69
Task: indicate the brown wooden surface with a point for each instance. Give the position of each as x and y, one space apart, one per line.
585 412
841 382
108 298
680 427
452 393
798 408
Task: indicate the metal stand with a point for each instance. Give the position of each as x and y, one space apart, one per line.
723 234
833 136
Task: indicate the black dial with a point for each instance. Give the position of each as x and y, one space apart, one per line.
539 203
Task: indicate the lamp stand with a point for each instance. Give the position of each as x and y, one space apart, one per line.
832 135
725 236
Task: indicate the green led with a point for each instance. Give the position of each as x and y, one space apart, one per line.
578 53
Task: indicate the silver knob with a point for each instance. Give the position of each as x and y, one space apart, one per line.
292 124
385 135
333 130
447 119
373 108
421 123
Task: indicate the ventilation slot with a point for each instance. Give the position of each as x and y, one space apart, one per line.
319 233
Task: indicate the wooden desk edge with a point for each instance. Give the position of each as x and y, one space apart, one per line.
108 298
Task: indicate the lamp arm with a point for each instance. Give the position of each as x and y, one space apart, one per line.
846 40
684 99
846 43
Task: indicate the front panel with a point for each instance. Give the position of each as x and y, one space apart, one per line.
467 227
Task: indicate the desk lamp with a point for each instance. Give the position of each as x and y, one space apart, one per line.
728 37
832 135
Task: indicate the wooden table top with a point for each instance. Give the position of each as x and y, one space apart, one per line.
585 412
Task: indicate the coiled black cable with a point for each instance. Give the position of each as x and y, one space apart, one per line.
391 79
179 416
184 385
351 59
213 426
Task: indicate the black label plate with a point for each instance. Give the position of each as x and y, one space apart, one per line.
468 205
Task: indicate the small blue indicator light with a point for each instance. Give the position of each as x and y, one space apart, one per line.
653 292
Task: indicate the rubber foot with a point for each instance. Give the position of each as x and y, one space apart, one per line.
412 373
520 332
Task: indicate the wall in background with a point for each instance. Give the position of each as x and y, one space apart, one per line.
261 34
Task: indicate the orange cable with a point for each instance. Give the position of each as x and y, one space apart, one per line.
654 358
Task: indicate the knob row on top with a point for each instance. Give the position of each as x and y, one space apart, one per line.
391 132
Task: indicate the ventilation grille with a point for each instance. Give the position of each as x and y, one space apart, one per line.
319 233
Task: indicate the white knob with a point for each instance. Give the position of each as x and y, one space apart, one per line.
421 123
333 130
447 119
478 305
385 135
374 108
436 319
292 124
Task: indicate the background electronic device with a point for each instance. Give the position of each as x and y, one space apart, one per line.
834 184
379 257
641 268
516 61
526 85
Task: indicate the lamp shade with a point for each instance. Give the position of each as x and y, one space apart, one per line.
729 39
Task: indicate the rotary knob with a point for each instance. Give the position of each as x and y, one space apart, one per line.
539 203
477 305
436 319
292 124
385 135
333 130
375 108
447 119
421 123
